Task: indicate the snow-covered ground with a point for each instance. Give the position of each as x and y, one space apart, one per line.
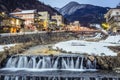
97 36
113 39
96 48
3 46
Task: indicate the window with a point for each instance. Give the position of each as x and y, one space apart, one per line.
117 13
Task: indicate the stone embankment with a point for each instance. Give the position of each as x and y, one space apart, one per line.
108 62
45 37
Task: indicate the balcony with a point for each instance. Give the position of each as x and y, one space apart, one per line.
114 19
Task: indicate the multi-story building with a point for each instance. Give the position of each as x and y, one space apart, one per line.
113 19
11 24
44 19
58 18
29 16
76 23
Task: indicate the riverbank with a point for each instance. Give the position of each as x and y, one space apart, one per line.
41 50
42 45
24 42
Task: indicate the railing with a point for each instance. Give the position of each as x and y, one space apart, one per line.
114 18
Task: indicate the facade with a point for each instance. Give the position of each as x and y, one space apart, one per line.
76 23
75 26
113 19
11 24
29 16
95 26
58 18
44 19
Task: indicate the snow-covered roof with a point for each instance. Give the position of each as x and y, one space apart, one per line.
24 12
110 12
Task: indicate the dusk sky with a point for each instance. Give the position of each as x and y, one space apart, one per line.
61 3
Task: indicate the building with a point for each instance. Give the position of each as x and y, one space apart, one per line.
29 16
76 26
95 26
58 18
76 23
11 24
113 19
44 19
53 25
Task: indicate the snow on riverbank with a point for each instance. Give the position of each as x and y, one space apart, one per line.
96 48
113 39
3 46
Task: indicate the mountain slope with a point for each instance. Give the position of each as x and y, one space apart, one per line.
57 8
84 13
71 8
10 5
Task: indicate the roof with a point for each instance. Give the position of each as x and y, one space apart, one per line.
11 16
24 12
108 13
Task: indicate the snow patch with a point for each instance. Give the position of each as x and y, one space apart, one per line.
96 48
113 39
8 46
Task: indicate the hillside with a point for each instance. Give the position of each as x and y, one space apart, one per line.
10 5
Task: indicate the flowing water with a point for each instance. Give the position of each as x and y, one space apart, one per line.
49 67
40 63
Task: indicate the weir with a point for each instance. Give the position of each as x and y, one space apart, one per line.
41 63
52 67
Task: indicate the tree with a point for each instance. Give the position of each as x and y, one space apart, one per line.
2 15
118 6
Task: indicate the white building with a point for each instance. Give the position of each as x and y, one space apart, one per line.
28 15
45 17
113 19
58 18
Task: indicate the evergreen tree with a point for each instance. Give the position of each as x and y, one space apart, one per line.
118 6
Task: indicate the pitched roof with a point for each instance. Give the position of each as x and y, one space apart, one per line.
24 12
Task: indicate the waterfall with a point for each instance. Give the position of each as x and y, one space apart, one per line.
55 63
25 61
20 62
81 65
77 63
39 64
72 64
9 63
64 62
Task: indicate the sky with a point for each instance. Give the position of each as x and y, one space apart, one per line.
61 3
